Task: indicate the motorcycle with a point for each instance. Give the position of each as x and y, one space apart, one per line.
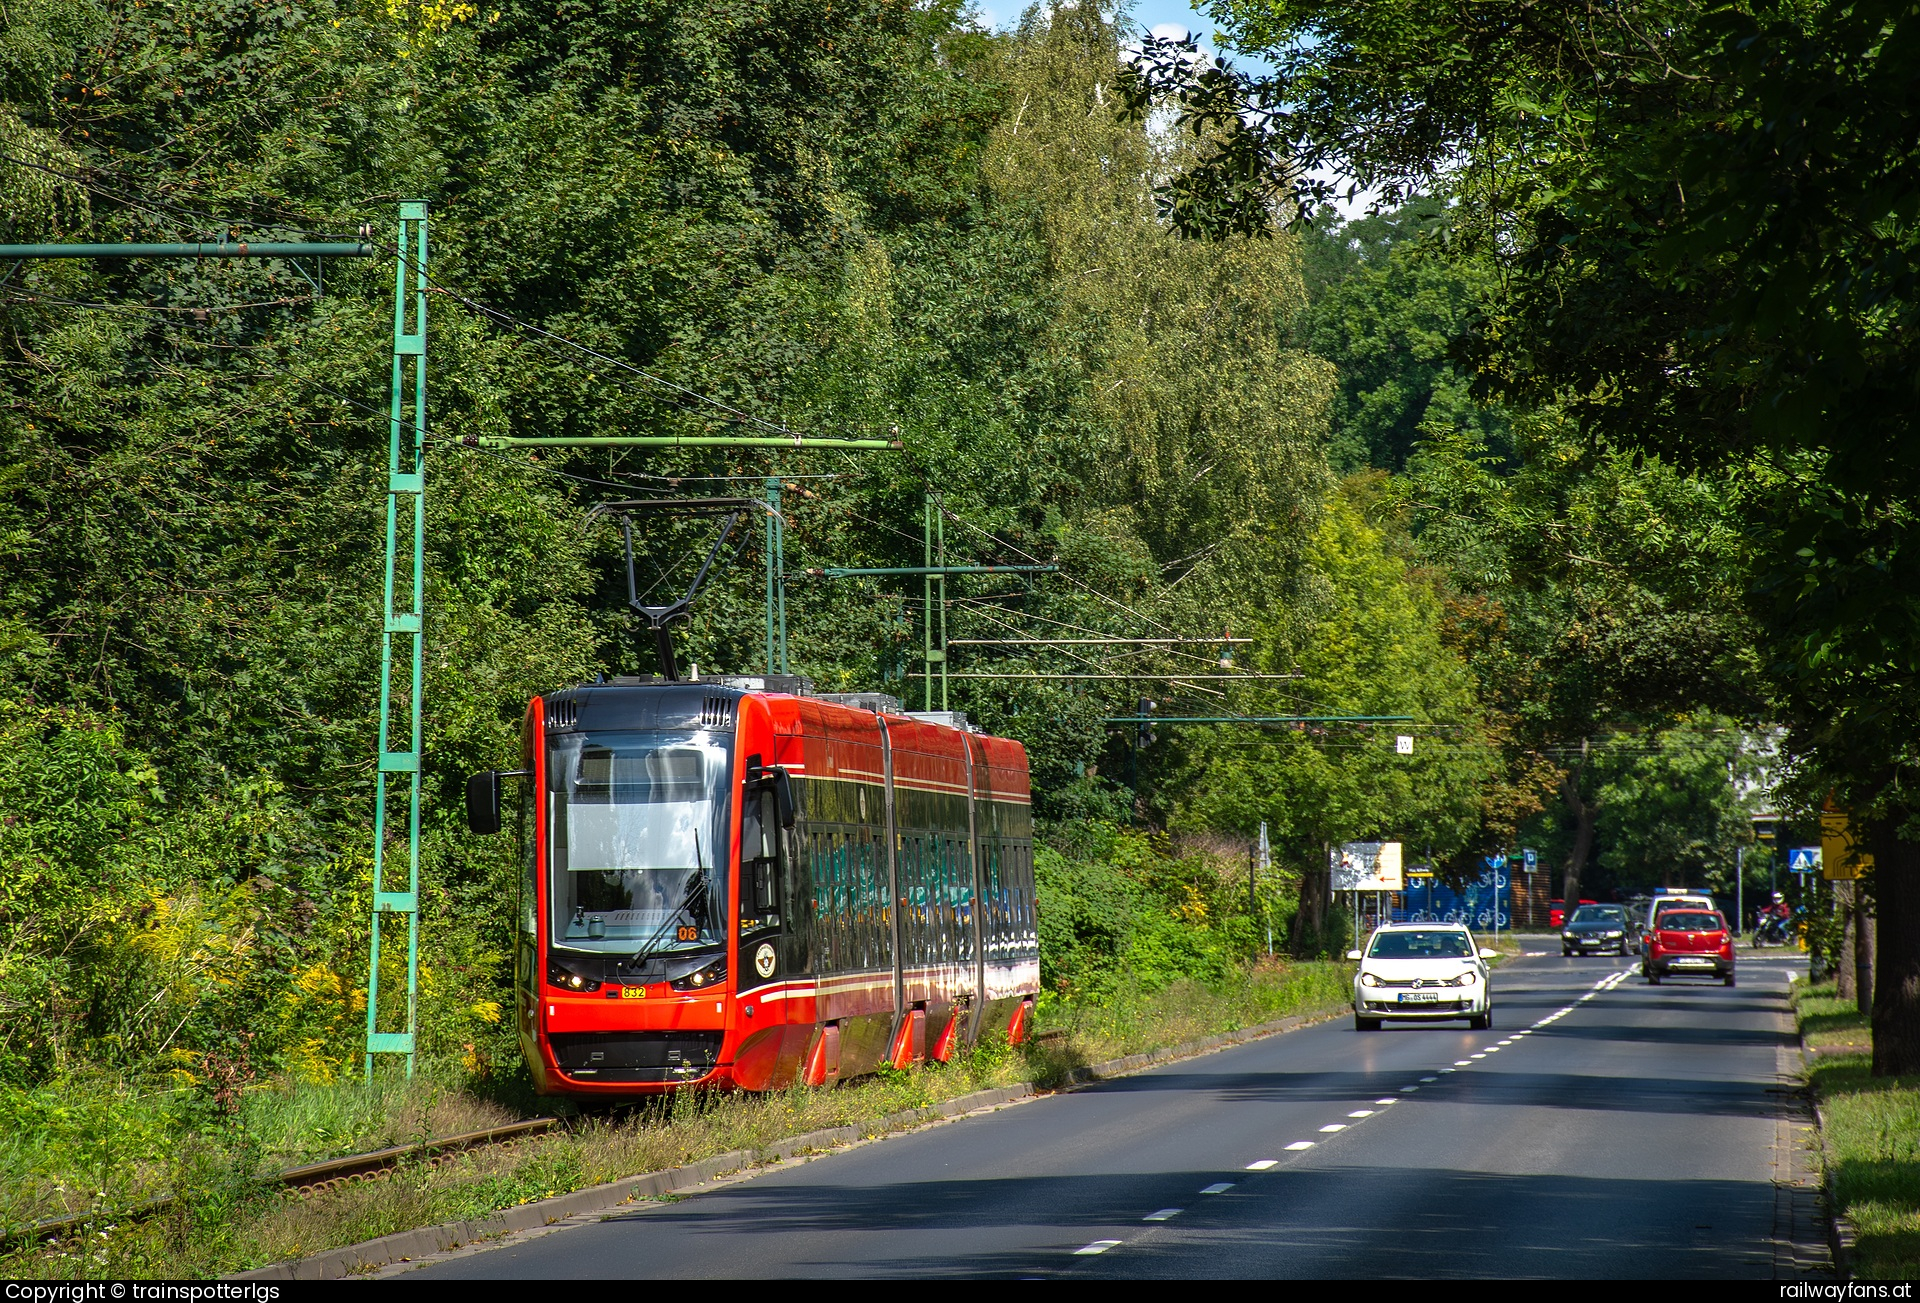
1771 931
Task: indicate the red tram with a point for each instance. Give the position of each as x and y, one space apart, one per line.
726 884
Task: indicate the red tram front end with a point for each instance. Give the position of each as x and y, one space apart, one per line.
725 884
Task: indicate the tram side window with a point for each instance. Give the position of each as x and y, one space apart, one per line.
921 951
950 890
968 905
929 903
1027 920
1021 893
819 873
842 911
943 897
870 899
936 897
958 915
1001 923
909 911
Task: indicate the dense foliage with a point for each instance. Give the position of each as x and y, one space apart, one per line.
1702 217
862 220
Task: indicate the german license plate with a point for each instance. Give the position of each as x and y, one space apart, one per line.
1419 997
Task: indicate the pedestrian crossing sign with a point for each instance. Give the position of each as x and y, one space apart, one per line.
1804 859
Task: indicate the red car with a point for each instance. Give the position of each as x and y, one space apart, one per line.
1688 943
1557 913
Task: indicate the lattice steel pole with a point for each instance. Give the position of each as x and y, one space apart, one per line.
406 523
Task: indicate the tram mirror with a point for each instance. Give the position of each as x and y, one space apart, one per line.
756 826
483 802
783 797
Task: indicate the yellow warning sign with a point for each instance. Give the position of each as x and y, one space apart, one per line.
1840 856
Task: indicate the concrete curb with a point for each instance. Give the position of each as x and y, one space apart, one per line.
1840 1233
1841 1236
358 1259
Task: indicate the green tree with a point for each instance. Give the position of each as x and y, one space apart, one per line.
1375 647
844 220
1598 595
1390 303
1705 216
1671 814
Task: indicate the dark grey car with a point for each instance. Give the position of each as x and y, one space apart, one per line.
1595 928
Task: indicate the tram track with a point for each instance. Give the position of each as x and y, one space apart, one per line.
308 1178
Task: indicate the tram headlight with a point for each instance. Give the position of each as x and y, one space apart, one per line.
707 976
567 980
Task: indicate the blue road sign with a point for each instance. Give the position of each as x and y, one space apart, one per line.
1803 859
1533 860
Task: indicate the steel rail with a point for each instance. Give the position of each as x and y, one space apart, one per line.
307 1177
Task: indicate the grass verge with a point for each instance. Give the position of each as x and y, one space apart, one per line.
1870 1137
226 1219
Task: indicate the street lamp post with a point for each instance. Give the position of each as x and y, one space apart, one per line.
1739 889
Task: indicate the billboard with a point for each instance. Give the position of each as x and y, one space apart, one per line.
1484 902
1366 866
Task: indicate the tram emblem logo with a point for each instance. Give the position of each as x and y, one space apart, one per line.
763 959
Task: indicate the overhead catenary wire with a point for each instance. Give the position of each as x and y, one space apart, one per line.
505 318
381 414
207 222
547 335
195 221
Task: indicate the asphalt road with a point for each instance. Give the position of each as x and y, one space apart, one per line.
1604 1129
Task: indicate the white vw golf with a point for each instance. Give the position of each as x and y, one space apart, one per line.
1425 971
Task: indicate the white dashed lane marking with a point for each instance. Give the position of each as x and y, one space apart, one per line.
1300 1146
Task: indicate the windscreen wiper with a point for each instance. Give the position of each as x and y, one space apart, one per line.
696 888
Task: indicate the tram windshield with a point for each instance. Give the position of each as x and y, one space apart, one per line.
639 829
